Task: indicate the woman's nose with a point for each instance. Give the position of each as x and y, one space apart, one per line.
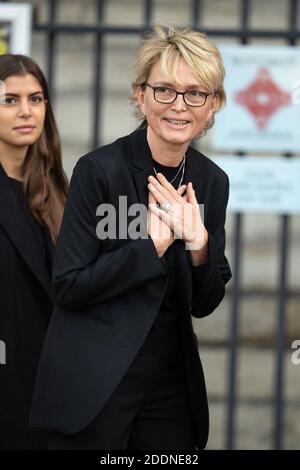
179 103
24 109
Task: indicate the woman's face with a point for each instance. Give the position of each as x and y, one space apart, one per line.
22 111
175 123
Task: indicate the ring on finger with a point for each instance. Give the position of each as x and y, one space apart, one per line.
165 207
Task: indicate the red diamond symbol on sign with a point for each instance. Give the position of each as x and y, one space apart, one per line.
263 98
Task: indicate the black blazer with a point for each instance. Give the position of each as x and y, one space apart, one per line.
25 309
108 292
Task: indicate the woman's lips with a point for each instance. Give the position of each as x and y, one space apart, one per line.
176 123
24 129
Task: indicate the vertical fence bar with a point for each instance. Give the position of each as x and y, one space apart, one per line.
278 436
196 11
148 13
234 322
281 334
234 341
97 91
148 10
51 47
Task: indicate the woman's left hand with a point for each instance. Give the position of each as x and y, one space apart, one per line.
181 213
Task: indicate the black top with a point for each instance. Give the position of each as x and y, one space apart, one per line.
164 336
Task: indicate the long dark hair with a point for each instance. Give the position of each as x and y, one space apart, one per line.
45 181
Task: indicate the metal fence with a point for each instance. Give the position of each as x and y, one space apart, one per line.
242 34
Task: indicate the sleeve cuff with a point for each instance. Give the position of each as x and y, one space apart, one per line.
212 257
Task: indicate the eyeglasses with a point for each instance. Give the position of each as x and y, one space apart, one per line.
167 95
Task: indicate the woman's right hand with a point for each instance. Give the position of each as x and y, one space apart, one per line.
160 232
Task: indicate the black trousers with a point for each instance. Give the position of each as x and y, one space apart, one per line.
149 410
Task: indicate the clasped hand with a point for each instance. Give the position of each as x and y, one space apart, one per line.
174 214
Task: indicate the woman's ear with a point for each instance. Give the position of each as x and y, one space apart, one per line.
215 104
140 96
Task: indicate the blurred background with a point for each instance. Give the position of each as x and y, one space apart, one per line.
87 50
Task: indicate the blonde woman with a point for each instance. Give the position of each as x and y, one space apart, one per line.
120 368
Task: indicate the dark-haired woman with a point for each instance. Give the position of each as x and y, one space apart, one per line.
33 189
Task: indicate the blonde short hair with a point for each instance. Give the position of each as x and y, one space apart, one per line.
170 44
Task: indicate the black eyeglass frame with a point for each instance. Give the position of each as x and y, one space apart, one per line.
183 93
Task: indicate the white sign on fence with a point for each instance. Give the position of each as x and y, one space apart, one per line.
262 184
263 106
15 28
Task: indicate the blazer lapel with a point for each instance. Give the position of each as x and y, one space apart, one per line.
16 224
141 160
193 171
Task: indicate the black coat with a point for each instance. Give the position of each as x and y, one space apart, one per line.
108 292
25 308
